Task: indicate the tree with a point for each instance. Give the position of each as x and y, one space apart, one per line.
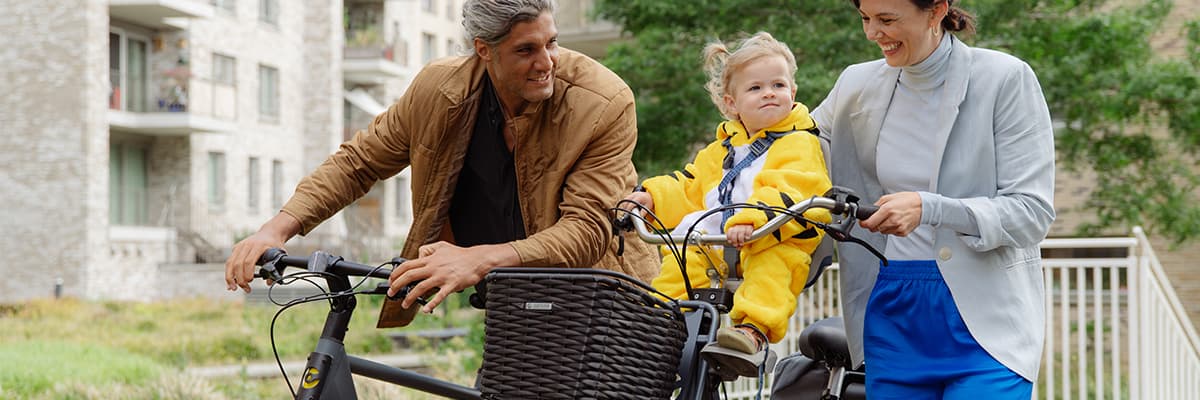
1131 117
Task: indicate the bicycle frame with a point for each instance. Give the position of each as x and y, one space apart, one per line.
337 383
329 369
696 380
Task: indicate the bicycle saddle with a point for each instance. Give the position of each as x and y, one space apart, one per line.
825 340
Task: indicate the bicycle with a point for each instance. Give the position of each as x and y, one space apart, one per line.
329 370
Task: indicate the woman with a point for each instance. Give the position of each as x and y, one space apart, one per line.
954 144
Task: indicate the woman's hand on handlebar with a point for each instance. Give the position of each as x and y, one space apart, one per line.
239 267
448 269
899 214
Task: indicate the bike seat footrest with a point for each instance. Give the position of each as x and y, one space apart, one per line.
732 364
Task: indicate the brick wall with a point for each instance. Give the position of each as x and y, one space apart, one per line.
51 133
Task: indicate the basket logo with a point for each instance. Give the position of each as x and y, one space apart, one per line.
539 306
311 378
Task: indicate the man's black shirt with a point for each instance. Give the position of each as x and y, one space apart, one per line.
485 209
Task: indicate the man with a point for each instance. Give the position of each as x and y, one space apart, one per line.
517 152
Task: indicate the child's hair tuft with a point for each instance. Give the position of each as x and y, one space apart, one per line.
720 64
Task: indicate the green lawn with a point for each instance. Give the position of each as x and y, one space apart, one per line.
71 349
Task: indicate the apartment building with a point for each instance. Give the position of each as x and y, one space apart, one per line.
142 138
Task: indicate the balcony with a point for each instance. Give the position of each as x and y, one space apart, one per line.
368 60
158 14
166 123
179 104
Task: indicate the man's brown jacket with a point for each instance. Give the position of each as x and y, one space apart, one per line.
572 154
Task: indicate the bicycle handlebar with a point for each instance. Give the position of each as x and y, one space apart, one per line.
319 262
835 206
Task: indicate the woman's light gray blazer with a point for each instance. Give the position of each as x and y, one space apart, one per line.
990 201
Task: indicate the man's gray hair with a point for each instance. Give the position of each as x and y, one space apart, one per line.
492 20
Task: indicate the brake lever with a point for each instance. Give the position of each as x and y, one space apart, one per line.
867 246
842 234
622 224
268 270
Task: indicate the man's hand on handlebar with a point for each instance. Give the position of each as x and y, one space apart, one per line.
239 267
899 214
448 269
642 198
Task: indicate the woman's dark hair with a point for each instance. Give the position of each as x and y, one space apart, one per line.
957 19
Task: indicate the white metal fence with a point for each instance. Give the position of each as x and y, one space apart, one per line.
1114 327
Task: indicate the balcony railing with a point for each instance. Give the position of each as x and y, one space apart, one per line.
372 63
198 107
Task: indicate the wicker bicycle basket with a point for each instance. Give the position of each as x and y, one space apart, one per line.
583 334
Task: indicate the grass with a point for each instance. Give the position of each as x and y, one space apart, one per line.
38 365
72 349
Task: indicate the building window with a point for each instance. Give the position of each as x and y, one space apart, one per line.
268 93
268 11
216 180
428 48
224 95
252 185
224 70
127 184
114 71
362 19
427 6
228 7
127 66
277 184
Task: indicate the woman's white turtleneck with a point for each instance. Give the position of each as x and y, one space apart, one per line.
906 140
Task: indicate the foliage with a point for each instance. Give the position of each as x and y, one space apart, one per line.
1111 96
662 62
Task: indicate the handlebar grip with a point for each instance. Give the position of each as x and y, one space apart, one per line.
403 292
865 211
270 254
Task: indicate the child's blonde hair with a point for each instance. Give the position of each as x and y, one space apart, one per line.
721 64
